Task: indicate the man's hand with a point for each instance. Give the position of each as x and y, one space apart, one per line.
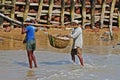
23 30
68 36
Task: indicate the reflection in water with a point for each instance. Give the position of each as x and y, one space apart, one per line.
31 75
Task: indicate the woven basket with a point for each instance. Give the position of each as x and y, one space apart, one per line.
58 42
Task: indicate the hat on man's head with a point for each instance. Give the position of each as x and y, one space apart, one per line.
28 20
76 21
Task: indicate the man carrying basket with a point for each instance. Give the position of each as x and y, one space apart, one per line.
77 42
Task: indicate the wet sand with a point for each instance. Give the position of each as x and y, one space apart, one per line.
13 40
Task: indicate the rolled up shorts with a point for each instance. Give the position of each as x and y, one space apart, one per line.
31 45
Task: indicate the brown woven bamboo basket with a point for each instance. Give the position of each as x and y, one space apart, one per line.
58 42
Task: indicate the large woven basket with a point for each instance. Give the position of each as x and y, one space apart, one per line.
58 42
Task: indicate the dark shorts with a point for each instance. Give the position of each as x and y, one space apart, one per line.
31 45
76 51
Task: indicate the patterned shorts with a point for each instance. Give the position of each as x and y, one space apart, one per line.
31 45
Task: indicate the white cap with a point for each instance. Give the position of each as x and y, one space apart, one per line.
28 19
76 21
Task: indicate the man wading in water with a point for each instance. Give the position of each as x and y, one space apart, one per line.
77 42
30 42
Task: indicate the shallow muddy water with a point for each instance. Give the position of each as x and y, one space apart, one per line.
57 66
